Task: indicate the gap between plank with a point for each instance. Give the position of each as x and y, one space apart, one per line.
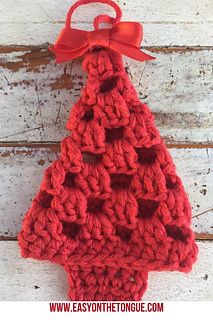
198 236
55 146
164 49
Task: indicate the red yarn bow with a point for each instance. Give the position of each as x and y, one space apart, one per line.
123 37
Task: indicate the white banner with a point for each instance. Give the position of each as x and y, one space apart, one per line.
105 310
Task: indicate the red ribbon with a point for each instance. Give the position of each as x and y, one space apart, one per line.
124 37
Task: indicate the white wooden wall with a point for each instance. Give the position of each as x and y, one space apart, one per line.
36 96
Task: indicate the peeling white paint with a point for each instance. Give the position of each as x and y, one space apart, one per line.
11 57
40 11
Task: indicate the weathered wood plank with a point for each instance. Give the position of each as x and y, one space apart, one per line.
55 11
155 34
26 279
167 25
21 171
37 94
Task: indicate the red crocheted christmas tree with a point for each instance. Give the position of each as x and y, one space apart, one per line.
111 208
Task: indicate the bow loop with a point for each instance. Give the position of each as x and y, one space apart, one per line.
129 32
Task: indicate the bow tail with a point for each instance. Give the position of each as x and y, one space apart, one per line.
130 51
64 55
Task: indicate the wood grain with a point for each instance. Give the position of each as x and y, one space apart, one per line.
21 171
165 22
26 279
36 96
55 11
42 93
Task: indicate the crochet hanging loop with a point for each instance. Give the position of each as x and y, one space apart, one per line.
123 37
99 19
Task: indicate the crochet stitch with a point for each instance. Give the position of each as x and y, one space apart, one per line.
111 208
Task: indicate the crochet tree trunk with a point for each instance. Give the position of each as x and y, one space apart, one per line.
111 208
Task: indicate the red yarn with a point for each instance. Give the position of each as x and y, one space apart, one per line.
111 208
